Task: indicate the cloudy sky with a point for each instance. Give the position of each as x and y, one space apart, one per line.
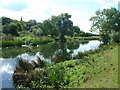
81 10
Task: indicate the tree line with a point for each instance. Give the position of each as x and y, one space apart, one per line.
106 21
56 26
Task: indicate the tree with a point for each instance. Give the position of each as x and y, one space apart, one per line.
6 20
31 23
76 30
37 32
49 28
107 21
20 26
63 23
11 28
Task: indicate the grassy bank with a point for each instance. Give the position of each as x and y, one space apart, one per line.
84 38
19 41
10 41
96 69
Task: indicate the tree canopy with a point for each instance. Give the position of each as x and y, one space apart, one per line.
107 21
56 26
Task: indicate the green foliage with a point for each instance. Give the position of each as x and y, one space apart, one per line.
37 32
11 43
7 43
7 37
107 22
11 28
56 76
105 37
49 28
6 20
36 42
115 37
56 26
18 43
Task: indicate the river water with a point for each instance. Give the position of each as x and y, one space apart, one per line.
52 52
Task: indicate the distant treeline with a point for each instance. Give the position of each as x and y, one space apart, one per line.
56 26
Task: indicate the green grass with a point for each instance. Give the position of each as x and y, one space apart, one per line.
107 66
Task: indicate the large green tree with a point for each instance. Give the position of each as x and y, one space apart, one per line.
107 21
64 23
49 28
6 20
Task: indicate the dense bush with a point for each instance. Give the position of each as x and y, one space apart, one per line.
7 43
11 43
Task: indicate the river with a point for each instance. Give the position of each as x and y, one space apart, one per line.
52 52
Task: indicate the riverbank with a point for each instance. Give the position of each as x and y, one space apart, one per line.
84 38
99 71
96 69
105 71
10 41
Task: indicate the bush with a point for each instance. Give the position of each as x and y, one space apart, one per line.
7 43
56 76
12 43
18 43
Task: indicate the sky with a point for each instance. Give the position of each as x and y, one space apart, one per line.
39 10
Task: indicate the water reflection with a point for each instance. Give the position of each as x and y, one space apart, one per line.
92 45
6 69
55 52
61 54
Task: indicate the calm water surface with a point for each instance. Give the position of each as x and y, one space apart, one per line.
53 52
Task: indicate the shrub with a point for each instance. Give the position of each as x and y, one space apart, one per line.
56 76
6 43
18 43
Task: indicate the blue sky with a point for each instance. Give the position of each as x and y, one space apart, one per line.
81 10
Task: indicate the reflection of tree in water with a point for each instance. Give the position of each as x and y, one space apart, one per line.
73 45
84 41
58 50
13 52
49 50
61 54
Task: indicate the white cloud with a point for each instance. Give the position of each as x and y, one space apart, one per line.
107 3
41 10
